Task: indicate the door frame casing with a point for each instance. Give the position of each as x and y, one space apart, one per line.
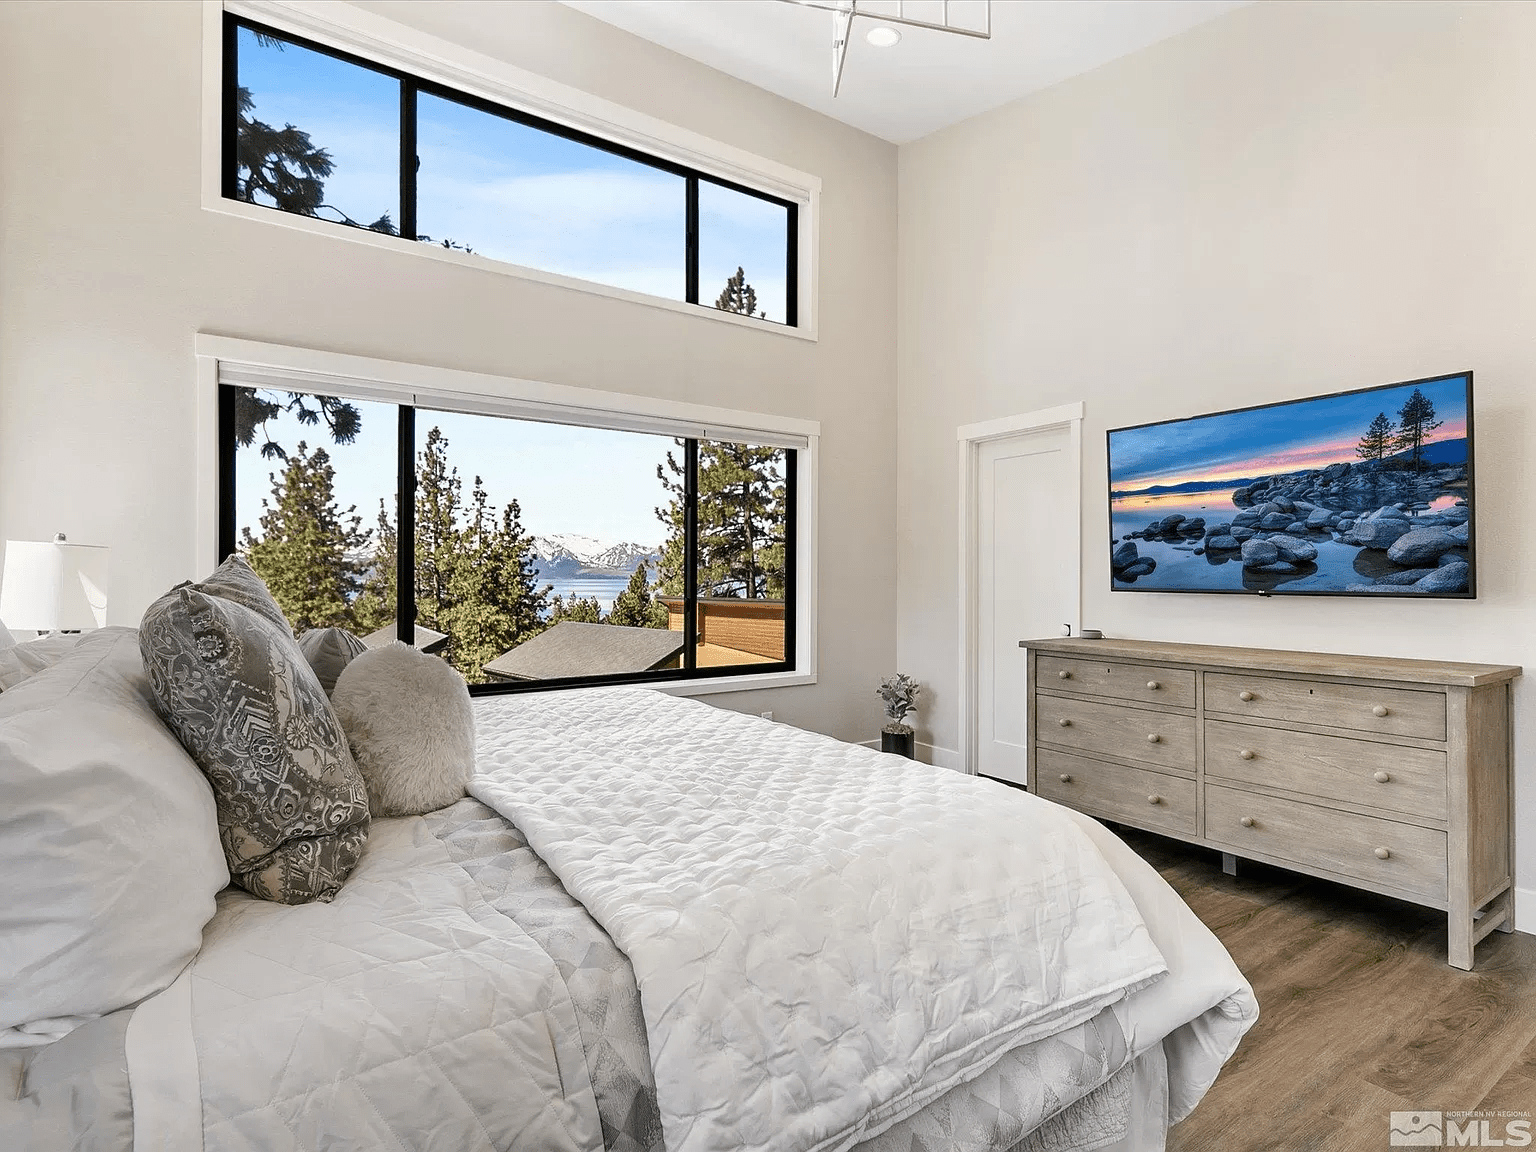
969 439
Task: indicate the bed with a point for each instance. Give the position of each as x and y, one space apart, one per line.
659 925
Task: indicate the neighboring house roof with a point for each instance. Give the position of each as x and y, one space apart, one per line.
572 648
426 640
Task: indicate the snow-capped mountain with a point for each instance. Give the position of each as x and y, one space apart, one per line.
566 554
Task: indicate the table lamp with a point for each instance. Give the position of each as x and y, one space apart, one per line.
54 586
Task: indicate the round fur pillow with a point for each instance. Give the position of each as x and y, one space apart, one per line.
412 731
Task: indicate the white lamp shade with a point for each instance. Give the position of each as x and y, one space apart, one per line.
49 587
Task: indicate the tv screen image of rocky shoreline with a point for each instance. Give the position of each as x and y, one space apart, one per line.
1362 493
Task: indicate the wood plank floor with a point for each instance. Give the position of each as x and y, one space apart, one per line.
1360 1015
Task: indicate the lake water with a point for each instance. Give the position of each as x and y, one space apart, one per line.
605 588
1337 565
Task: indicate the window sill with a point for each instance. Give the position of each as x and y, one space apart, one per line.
704 687
422 249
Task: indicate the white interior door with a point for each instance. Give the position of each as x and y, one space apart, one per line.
1027 531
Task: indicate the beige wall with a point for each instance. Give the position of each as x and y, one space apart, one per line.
1292 199
109 266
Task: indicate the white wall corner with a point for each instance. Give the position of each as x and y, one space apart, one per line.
1525 910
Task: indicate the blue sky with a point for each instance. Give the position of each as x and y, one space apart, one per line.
513 193
1279 438
584 480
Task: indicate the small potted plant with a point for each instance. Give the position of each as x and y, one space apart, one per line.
899 693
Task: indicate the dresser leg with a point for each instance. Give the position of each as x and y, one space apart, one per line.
1459 940
1229 863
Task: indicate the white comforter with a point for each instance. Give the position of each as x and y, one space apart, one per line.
825 938
406 1014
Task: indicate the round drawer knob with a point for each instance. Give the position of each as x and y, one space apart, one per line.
1066 778
1064 722
1247 753
1154 799
1382 853
1063 675
1153 737
1383 777
1246 821
1153 685
1245 696
1379 710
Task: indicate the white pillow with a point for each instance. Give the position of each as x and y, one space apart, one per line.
6 639
409 722
30 657
109 847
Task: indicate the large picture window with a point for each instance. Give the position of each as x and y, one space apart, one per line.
527 553
316 132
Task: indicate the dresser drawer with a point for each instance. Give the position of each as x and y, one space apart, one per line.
1147 799
1129 682
1159 738
1410 780
1389 711
1339 842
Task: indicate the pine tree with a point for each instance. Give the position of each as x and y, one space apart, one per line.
582 609
741 503
1416 420
494 602
375 606
635 607
253 408
739 296
1378 439
671 566
475 580
309 551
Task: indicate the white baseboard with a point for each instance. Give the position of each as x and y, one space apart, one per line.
942 757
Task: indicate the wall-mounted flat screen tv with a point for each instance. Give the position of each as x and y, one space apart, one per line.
1362 493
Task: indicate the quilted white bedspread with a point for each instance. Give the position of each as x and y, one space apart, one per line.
825 938
406 1014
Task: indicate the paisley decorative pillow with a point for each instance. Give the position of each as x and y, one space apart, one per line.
235 580
292 806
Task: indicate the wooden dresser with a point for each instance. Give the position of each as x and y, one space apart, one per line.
1388 775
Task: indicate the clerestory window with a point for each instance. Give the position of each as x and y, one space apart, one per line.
317 132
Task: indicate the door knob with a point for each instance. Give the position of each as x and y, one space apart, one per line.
1382 853
1066 778
1383 777
1154 799
1063 675
1245 695
1153 685
1379 710
1064 722
1246 821
1153 737
1246 753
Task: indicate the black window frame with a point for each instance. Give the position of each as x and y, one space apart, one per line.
405 577
411 86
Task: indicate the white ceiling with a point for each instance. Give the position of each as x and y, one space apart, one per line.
930 79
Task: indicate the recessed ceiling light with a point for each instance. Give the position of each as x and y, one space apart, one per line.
883 36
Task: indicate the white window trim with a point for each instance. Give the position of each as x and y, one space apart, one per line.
366 378
361 33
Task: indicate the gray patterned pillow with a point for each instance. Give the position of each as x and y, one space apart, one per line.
292 806
236 581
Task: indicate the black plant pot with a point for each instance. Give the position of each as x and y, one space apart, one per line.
901 743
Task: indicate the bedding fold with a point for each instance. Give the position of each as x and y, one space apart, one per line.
826 939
